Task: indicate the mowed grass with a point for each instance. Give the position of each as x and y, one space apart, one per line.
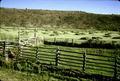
8 34
12 75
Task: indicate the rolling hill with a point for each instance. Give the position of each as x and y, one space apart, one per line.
59 19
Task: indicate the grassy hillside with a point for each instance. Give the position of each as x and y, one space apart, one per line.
61 19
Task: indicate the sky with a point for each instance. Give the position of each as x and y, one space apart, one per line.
91 6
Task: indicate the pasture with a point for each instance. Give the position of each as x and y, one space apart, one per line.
93 61
32 36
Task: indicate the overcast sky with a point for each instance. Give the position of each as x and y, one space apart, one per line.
92 6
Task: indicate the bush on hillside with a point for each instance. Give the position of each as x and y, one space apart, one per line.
73 19
107 35
84 38
116 37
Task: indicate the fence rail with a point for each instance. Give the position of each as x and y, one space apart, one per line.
87 62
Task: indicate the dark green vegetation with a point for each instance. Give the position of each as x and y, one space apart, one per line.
58 19
87 44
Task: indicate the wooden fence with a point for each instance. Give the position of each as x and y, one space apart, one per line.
104 64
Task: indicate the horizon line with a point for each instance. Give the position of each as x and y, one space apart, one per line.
63 10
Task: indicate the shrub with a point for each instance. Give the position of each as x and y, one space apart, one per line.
96 38
44 32
83 38
91 32
116 37
72 31
107 35
78 33
55 32
81 33
65 32
52 34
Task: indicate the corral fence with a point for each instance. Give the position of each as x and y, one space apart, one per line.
99 65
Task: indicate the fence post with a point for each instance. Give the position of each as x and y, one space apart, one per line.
66 40
18 46
84 60
115 65
4 48
57 56
4 51
36 54
54 40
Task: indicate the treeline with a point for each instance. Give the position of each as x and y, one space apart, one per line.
62 19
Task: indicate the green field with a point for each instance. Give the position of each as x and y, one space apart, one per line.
12 75
31 36
98 60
